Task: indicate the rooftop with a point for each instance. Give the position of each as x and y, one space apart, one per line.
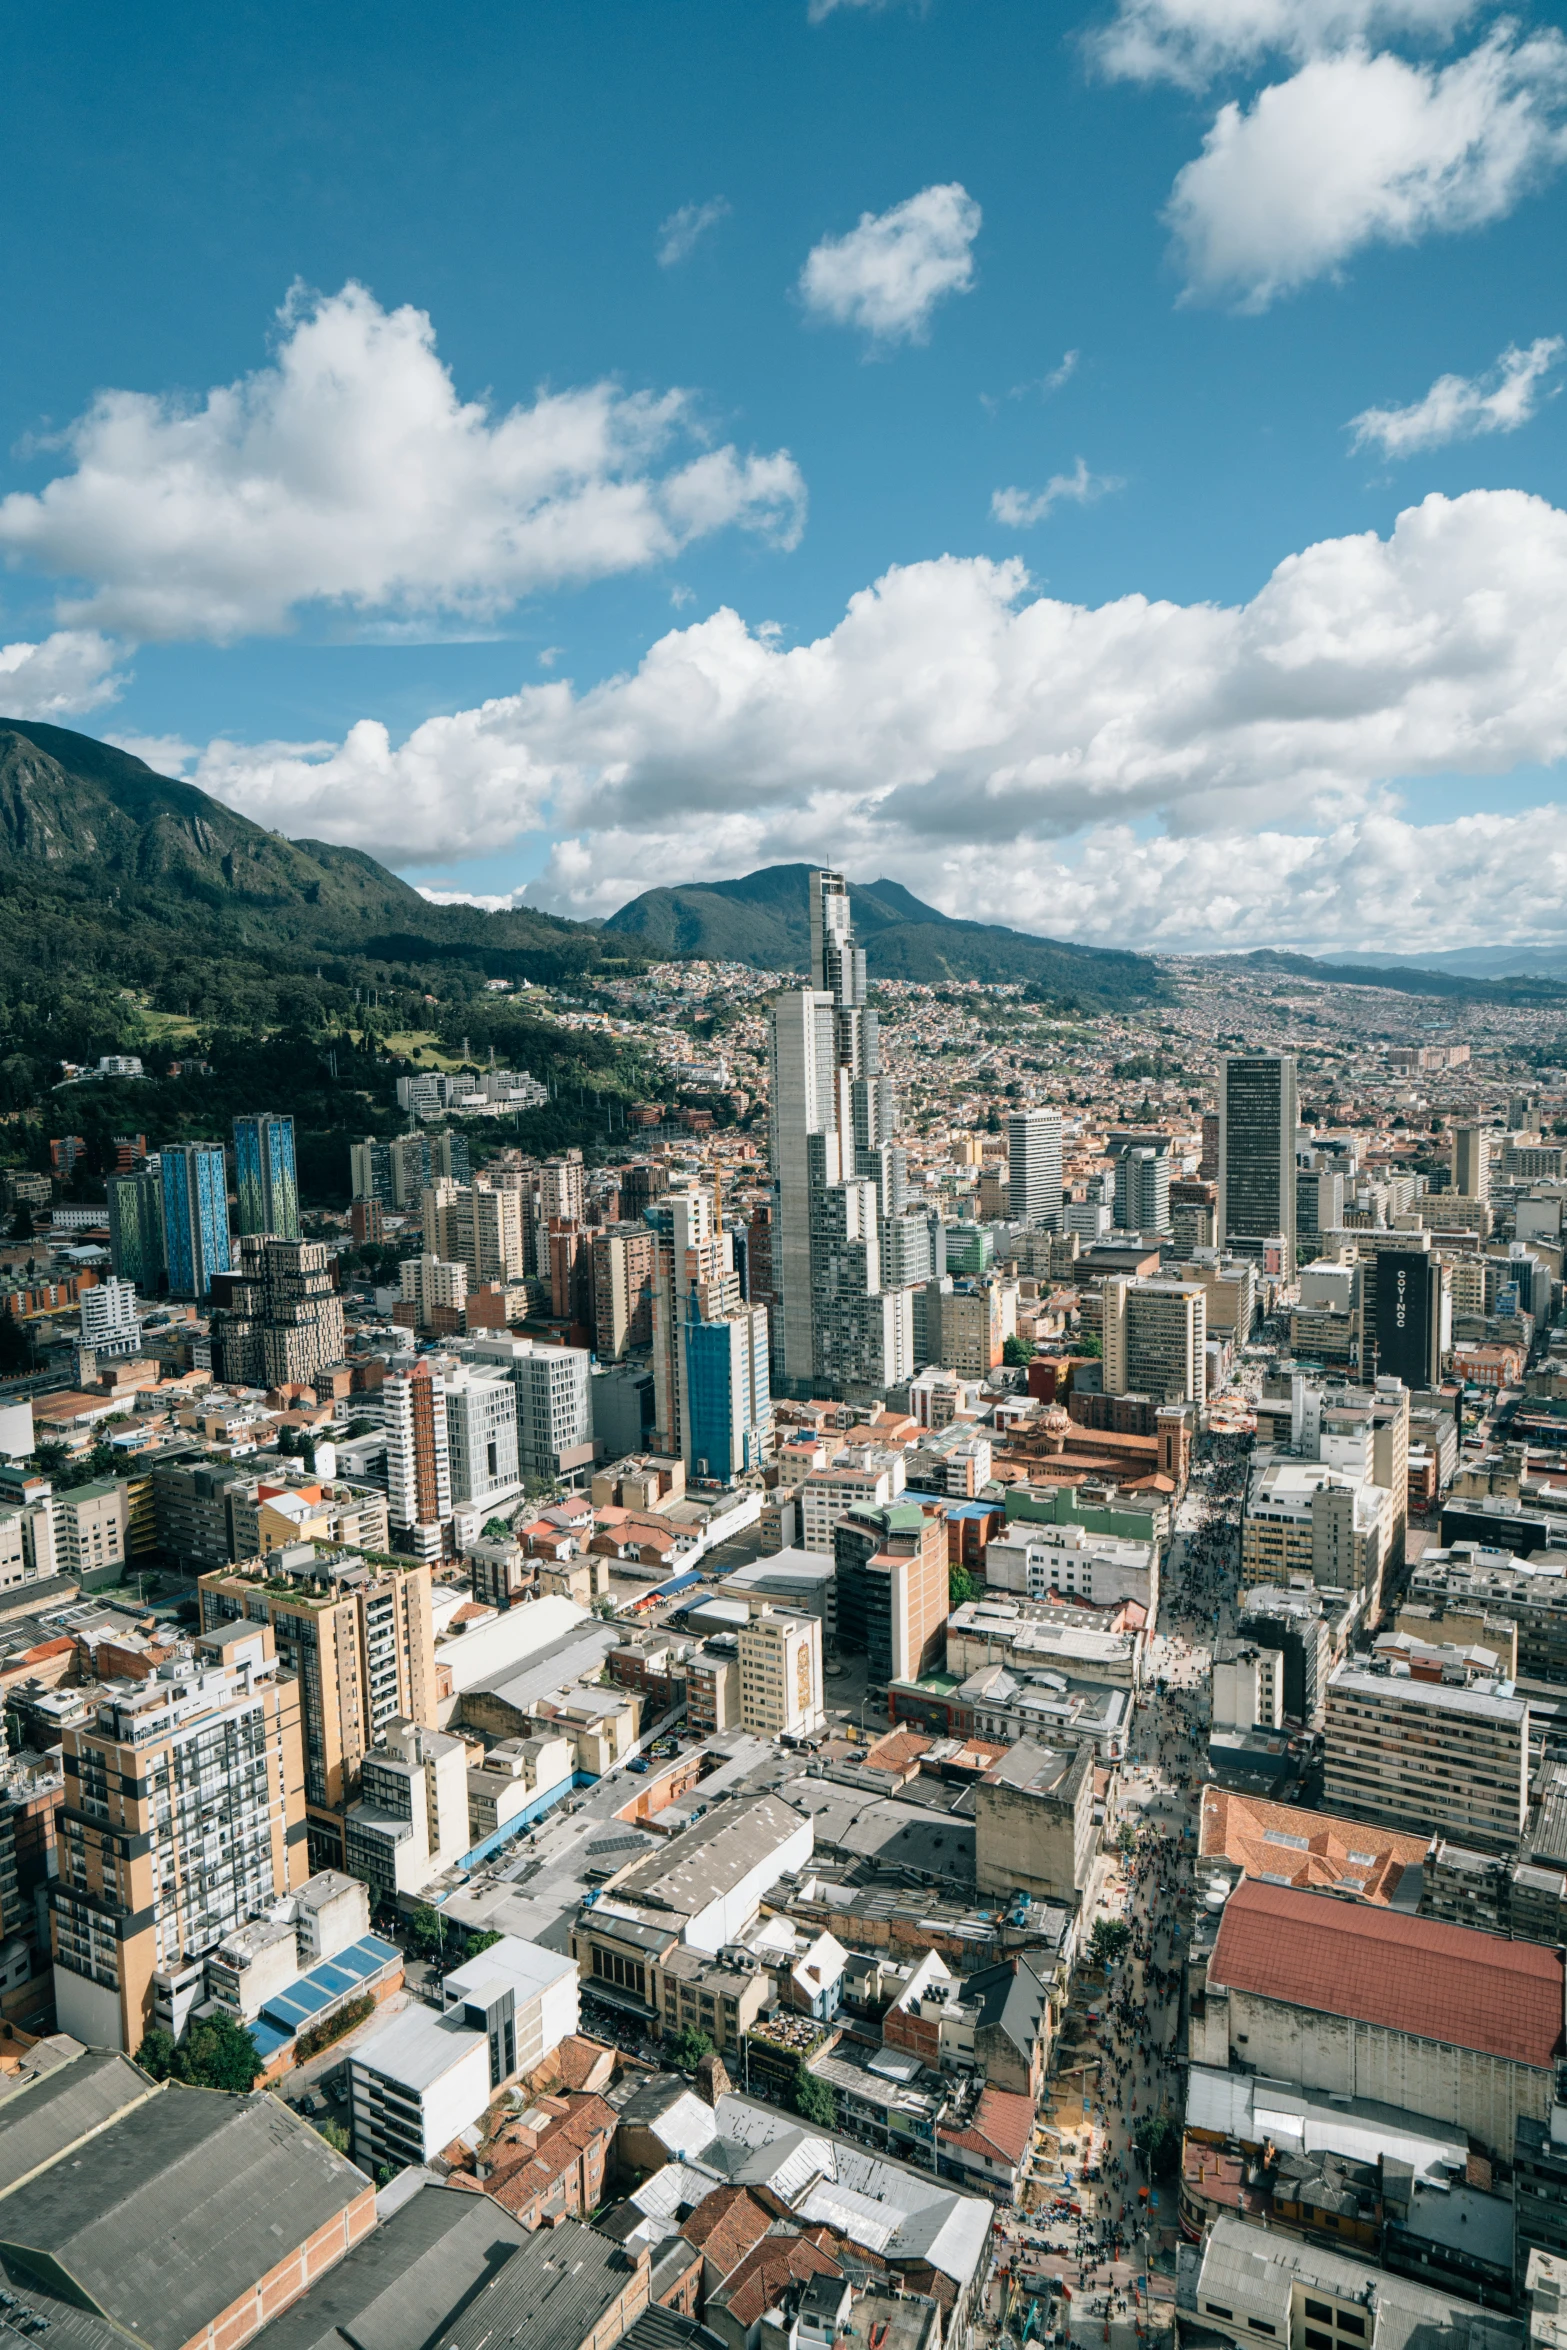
1405 1974
1307 1849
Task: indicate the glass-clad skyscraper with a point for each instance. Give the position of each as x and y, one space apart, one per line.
264 1178
1257 1122
136 1227
195 1216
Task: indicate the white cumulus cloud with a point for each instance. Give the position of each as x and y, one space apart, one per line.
1360 148
680 234
958 728
71 671
349 472
1194 41
888 274
1461 407
819 10
1021 509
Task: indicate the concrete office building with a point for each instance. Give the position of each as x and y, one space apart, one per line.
1428 1756
194 1186
780 1658
892 1589
1154 1336
111 1323
359 1636
1258 1115
1034 1167
411 1820
1472 1162
554 1406
1304 1517
1034 1823
185 1817
480 1402
266 1183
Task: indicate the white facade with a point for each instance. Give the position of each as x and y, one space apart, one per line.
1034 1167
110 1321
417 2083
418 1463
411 1822
481 1434
1103 1569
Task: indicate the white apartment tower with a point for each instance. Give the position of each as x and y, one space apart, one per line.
1034 1165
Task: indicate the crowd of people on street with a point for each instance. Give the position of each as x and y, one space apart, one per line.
1097 2246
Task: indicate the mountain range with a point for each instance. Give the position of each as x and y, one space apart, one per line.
763 919
1529 986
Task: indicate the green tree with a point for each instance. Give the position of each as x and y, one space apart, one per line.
16 1348
22 1222
688 2047
1157 2138
960 1586
156 2053
426 1931
1089 1345
496 1530
1108 1940
1017 1351
217 2054
815 2100
335 2135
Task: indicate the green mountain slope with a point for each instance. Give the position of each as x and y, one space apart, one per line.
764 919
127 897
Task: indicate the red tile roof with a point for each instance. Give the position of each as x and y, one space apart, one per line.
1405 1974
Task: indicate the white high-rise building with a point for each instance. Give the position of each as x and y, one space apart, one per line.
418 1461
1034 1165
481 1434
111 1323
839 1170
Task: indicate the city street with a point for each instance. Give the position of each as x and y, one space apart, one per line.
1087 2237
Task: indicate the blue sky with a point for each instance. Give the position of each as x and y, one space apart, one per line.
463 677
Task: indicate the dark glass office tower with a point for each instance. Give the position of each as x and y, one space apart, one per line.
1258 1116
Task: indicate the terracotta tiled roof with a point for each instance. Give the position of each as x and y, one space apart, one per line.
762 2276
726 2226
1002 2123
1405 1974
1311 1848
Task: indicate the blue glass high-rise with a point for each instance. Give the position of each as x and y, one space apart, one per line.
265 1182
195 1216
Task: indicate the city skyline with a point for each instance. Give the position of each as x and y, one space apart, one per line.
1051 460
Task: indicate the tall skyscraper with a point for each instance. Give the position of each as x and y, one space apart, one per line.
195 1216
1472 1162
418 1465
1257 1121
1142 1188
279 1319
711 1383
266 1184
136 1227
1034 1165
838 1172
